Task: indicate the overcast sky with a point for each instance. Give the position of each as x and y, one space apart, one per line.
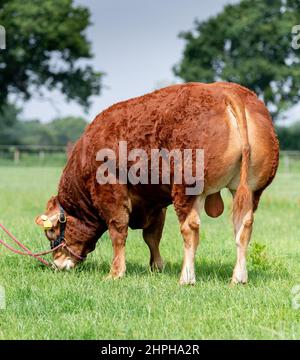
135 43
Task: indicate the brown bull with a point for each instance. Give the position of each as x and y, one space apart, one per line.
240 147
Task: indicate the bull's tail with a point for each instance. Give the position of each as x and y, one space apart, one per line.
243 201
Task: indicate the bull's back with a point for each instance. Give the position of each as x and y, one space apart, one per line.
193 116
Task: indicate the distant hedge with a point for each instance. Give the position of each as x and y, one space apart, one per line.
289 137
59 132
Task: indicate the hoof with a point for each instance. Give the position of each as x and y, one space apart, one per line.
239 276
187 279
157 266
183 282
234 282
113 276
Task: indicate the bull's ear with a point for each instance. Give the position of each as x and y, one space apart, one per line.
52 203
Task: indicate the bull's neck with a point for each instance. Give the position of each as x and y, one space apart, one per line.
74 194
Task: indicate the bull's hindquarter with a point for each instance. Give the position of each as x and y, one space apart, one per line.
240 153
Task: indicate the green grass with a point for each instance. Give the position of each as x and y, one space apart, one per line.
41 304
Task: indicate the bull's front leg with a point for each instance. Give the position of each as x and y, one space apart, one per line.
118 234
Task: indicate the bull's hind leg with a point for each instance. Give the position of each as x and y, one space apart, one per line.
190 227
152 235
242 221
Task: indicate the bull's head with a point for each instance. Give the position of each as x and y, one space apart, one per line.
62 228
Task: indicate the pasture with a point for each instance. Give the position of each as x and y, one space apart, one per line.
41 304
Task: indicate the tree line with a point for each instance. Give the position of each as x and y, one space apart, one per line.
289 137
59 132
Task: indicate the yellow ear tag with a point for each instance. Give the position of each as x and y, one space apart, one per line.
46 222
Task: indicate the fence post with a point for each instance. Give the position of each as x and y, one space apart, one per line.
286 160
42 155
16 156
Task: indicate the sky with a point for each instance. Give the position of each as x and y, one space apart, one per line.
135 42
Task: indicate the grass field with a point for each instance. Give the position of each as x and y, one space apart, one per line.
41 304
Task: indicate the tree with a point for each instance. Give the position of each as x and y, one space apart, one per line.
15 131
45 39
289 137
9 119
34 133
67 129
249 43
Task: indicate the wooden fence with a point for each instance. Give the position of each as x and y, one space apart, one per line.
289 160
19 154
